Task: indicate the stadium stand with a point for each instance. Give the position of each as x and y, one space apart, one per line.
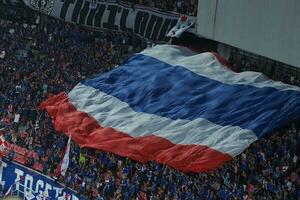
11 198
188 7
243 61
37 63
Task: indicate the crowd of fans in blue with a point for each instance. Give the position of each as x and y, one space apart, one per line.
35 63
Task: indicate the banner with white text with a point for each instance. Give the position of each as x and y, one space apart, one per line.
150 23
27 181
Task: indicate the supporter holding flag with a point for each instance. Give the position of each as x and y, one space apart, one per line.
64 197
2 54
3 144
183 24
63 166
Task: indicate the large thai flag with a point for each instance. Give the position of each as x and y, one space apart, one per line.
174 106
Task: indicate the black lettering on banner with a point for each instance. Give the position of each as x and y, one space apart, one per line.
111 18
164 29
156 29
21 3
144 23
83 12
64 8
150 26
173 23
89 21
124 20
99 14
137 22
76 10
8 2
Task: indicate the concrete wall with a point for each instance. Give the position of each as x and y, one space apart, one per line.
269 28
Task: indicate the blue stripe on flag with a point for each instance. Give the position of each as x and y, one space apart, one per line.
152 86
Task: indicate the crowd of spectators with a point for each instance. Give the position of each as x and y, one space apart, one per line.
268 170
187 7
37 62
244 61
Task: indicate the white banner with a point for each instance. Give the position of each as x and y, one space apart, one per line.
148 22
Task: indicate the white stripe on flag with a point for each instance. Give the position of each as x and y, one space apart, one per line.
109 111
206 64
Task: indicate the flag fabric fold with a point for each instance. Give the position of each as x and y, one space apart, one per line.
174 106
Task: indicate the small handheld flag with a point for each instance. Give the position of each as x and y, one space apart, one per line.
63 166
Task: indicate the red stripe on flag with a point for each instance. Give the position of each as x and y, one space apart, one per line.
223 61
86 132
